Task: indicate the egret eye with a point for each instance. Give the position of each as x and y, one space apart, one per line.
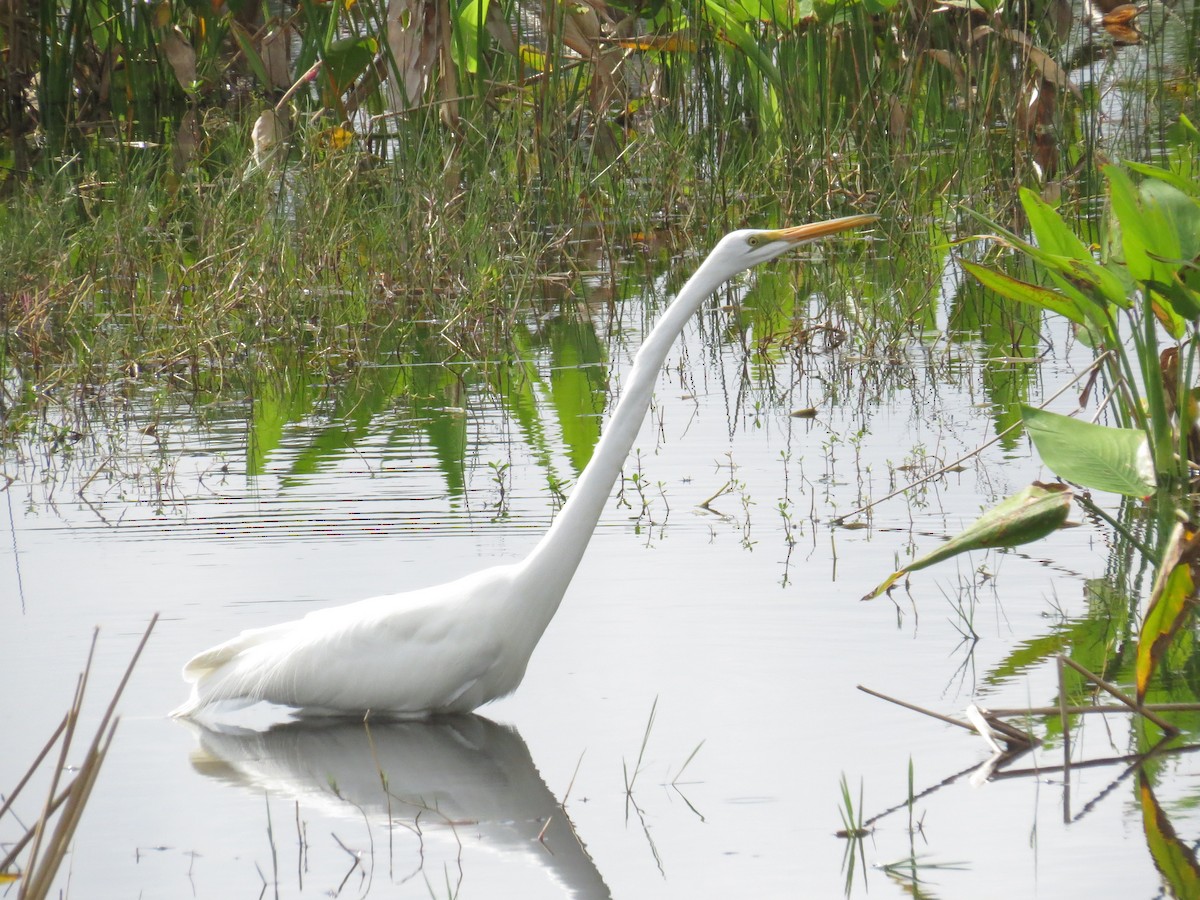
754 240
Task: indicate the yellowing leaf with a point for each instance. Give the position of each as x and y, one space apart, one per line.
1024 292
1028 515
1172 856
1172 604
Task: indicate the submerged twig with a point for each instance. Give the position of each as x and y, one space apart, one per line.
949 720
1122 696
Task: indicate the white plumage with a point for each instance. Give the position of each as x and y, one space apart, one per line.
455 646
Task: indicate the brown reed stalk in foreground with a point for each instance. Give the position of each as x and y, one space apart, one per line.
48 848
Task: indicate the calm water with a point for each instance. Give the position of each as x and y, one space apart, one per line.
747 650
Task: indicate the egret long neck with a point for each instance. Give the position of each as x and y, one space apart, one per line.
553 562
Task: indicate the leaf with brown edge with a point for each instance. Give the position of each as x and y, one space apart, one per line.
1027 515
1172 856
1172 603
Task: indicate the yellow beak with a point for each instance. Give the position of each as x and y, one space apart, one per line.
815 230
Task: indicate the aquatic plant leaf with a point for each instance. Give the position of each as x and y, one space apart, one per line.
1184 185
774 12
1024 292
1094 456
1061 250
1185 303
1136 235
1076 274
1172 857
1172 604
467 20
1050 230
731 29
1175 217
1184 135
348 58
1028 515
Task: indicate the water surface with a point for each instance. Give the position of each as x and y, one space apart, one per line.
747 646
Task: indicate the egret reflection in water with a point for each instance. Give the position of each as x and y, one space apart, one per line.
444 786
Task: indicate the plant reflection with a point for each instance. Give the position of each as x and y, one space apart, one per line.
423 782
558 365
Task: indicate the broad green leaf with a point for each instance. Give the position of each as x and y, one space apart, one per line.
1166 312
1098 278
1172 856
1050 230
348 58
1026 516
1070 273
1172 604
1173 220
1094 456
1175 217
1024 292
736 34
467 21
774 12
1135 234
1062 250
1184 300
1186 185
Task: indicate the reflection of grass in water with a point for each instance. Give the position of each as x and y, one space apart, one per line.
854 832
675 784
47 848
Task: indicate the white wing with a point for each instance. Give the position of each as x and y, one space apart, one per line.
405 654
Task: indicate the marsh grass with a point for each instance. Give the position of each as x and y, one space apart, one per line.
452 237
217 280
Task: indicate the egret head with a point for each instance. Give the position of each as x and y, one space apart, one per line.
749 247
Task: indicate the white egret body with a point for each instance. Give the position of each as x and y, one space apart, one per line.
455 646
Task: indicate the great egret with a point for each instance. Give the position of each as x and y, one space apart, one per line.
453 647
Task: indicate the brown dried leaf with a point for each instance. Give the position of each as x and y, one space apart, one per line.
413 40
181 57
1046 66
951 62
187 140
274 53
